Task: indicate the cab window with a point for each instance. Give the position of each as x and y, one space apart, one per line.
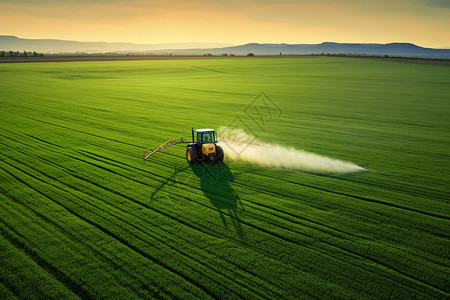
206 137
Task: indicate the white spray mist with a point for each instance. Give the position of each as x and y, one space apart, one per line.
238 145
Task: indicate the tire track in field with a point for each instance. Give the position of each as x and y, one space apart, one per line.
70 116
209 69
380 262
295 216
82 118
405 187
332 231
63 231
102 146
97 252
40 140
347 250
278 194
381 123
86 133
72 285
397 270
12 289
123 220
212 92
113 235
414 210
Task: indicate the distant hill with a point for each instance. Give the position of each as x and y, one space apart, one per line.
392 49
14 43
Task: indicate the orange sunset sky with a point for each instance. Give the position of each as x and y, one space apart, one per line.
422 22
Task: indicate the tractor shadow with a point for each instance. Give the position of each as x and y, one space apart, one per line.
215 179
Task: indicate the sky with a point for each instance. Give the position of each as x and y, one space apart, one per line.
422 22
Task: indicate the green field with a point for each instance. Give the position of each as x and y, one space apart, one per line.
82 216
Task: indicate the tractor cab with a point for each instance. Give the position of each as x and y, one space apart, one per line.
206 146
206 139
206 136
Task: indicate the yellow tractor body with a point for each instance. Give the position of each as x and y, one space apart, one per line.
208 149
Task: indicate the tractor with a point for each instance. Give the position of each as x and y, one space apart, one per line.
205 149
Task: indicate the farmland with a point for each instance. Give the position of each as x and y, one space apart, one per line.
82 216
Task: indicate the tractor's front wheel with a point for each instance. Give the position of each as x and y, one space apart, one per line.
191 155
219 153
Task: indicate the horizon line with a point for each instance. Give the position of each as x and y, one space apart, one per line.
226 44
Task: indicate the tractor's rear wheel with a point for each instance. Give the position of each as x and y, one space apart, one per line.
219 153
191 155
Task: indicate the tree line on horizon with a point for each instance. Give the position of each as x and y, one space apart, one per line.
20 54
